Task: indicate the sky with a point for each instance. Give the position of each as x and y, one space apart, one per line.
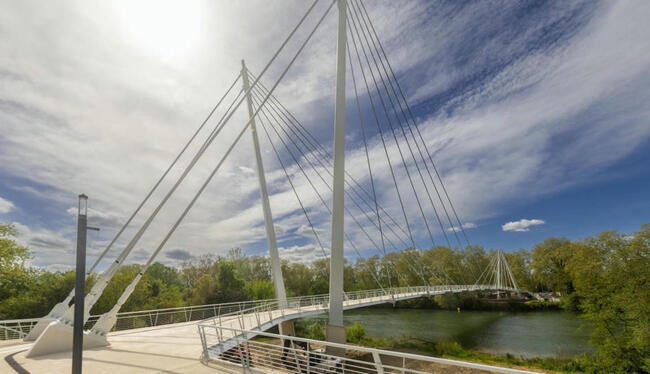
536 114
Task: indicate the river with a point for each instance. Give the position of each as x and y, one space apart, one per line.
529 334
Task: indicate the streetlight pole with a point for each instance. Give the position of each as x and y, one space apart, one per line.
80 284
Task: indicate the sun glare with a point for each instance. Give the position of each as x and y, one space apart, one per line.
170 29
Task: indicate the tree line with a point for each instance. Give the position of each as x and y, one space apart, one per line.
605 277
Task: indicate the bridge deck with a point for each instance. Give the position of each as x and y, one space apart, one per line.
165 349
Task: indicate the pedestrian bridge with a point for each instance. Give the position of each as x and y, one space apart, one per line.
202 339
225 328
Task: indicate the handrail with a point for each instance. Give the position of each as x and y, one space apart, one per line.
290 355
305 304
18 328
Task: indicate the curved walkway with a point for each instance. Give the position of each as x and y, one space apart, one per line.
177 348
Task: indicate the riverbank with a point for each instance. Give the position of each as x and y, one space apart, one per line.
474 302
427 367
434 341
453 350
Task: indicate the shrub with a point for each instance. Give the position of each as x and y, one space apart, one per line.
316 331
355 333
450 348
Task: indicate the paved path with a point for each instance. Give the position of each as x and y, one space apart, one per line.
163 349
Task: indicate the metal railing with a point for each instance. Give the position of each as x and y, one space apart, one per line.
269 314
16 328
19 328
283 353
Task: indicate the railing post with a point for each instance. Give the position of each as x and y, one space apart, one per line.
241 357
308 358
378 365
204 342
295 357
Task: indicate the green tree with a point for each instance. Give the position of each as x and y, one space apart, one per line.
122 278
229 286
168 275
368 271
444 265
320 272
260 268
409 265
204 291
519 263
297 278
15 276
474 261
194 271
260 290
549 261
611 274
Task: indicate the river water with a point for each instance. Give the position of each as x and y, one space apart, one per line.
530 334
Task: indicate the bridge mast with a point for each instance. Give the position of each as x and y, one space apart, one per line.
276 266
335 329
498 274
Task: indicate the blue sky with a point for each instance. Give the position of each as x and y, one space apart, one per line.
534 111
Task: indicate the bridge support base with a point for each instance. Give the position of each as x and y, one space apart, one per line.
56 312
38 329
335 334
287 328
57 337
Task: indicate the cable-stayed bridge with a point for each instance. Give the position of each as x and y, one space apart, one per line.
415 211
166 340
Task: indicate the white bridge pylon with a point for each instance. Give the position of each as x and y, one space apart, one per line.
53 333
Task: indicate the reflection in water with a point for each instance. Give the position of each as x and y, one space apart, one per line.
529 334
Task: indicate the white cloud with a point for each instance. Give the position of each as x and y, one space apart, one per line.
49 247
466 225
91 127
246 170
6 206
301 253
307 231
522 225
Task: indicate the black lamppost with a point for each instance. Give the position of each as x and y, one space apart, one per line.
80 284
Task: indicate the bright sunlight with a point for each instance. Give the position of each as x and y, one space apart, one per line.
170 29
